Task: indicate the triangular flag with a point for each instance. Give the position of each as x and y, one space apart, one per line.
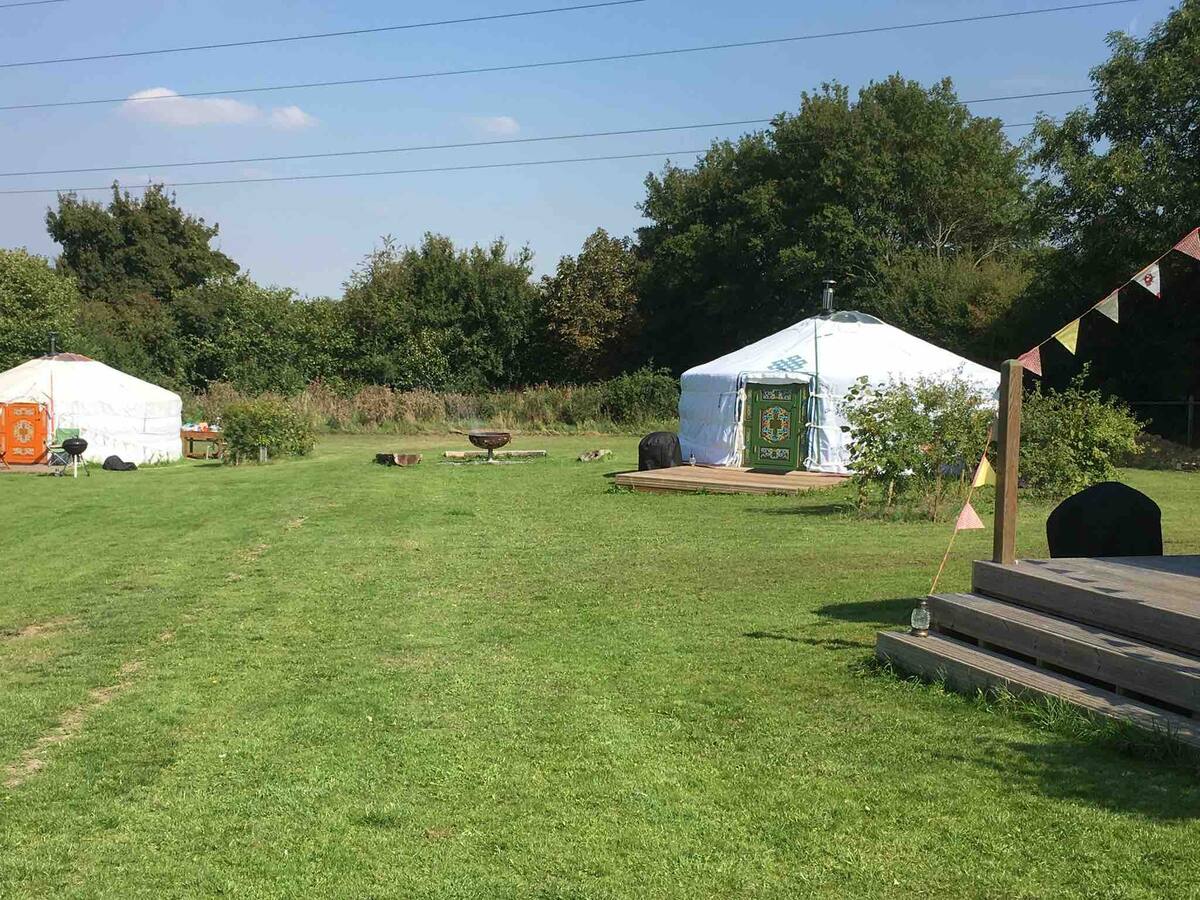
985 474
1032 361
968 519
1150 279
1109 306
1190 244
1068 335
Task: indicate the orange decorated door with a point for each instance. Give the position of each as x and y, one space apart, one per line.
24 433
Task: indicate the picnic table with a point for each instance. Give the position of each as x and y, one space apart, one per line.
213 441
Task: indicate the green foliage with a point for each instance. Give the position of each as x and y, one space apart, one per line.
956 301
1071 439
738 245
1119 183
34 301
269 422
436 317
646 395
590 307
920 439
135 246
640 401
138 335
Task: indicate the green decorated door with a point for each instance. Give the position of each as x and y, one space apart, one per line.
776 425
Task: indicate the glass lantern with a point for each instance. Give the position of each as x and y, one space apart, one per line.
919 621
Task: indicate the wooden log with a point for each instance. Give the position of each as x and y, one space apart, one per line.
1008 443
498 454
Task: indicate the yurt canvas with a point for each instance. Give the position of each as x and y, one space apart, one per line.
776 403
115 413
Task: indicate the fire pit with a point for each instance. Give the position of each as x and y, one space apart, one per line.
490 441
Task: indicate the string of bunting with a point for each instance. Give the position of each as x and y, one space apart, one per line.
1148 279
968 519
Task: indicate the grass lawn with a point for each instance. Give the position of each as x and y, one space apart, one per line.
325 678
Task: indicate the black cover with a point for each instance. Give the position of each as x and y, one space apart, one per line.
659 450
116 464
1107 519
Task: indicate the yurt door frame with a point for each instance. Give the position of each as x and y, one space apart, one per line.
776 426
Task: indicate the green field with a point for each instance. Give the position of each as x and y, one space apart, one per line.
324 678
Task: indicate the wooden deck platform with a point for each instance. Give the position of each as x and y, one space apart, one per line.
726 480
1118 636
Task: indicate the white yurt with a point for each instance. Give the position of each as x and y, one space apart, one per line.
776 403
115 413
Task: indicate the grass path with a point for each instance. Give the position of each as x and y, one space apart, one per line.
464 681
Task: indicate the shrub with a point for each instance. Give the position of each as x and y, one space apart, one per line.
641 396
921 438
1071 439
269 422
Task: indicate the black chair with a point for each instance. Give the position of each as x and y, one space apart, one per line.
659 450
1107 519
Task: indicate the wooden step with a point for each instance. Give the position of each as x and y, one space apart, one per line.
1140 598
967 668
1085 650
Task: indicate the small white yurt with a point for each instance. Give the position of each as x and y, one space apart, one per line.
776 404
115 413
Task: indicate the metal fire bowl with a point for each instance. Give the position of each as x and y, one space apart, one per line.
489 440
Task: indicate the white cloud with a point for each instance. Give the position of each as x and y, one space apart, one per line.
289 117
498 125
164 106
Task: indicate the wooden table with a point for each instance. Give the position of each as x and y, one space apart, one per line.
214 444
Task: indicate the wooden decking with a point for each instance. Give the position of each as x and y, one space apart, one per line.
1119 636
726 480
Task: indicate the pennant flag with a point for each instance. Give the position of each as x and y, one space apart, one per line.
1190 244
1109 306
1032 361
985 474
1068 335
1149 278
968 519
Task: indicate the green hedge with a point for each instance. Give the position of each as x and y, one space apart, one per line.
265 422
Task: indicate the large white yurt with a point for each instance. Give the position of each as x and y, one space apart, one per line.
776 403
115 413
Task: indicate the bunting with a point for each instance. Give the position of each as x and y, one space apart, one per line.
985 474
1068 335
1190 244
968 519
1151 279
1032 361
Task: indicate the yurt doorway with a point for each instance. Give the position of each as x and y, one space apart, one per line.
776 426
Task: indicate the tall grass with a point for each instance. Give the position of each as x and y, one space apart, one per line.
634 403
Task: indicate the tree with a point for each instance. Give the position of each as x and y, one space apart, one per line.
138 335
738 245
590 306
436 317
34 302
145 246
1118 184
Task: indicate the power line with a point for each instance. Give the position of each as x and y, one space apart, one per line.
374 152
310 37
29 3
645 54
624 132
422 171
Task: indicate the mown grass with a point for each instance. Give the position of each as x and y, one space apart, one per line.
510 681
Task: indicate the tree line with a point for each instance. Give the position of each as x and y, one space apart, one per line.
926 215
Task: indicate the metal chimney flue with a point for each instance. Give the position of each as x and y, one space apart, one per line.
827 295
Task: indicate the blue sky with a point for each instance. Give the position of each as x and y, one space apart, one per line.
310 235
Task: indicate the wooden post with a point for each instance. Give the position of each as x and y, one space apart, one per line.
1191 418
1008 444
